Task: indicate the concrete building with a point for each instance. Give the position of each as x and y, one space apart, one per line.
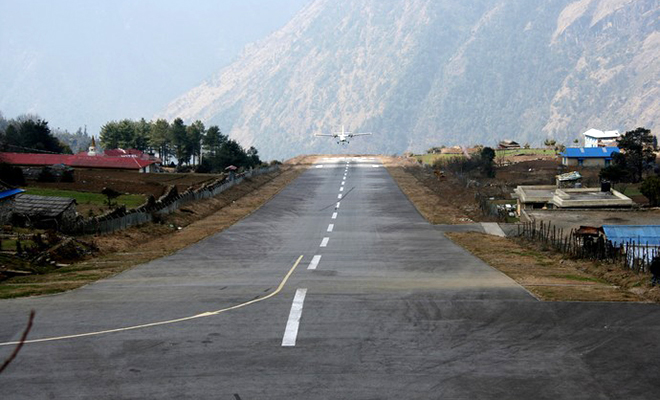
550 197
598 138
588 156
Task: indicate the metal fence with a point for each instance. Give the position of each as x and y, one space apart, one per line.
122 218
630 255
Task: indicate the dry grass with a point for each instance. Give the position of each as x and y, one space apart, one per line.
552 278
437 209
137 245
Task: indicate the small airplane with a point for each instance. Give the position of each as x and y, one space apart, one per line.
343 136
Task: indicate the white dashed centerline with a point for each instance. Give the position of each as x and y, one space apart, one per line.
338 204
291 331
331 227
339 196
334 215
315 262
341 189
324 242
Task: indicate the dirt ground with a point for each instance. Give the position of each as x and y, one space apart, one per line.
573 219
137 245
551 277
133 182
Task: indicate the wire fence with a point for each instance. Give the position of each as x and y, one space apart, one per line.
121 218
593 246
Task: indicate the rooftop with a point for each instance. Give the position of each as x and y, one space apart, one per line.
589 152
640 234
598 134
78 160
42 206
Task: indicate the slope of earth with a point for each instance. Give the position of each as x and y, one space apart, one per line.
420 73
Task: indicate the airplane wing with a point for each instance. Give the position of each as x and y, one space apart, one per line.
325 134
360 134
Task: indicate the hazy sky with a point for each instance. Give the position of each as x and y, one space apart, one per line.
85 62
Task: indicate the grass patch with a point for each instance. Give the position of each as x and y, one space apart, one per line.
96 199
580 278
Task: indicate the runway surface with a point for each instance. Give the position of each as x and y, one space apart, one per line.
335 289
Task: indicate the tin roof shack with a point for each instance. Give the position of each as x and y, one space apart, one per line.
508 144
588 156
7 200
45 212
569 180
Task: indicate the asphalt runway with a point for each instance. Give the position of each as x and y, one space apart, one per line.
335 289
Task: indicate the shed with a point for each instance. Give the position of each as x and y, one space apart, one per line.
588 156
44 211
569 180
7 200
645 238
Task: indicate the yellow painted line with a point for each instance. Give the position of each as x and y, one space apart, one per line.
169 322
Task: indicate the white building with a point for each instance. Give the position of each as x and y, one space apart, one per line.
597 138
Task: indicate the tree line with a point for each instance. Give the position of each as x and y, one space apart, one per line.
194 145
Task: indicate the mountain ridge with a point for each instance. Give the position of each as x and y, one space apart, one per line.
421 73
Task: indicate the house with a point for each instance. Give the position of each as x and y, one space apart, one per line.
588 156
508 144
81 160
597 138
45 212
7 200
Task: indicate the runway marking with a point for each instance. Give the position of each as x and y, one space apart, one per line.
339 196
341 189
291 330
324 242
315 262
172 321
331 227
319 166
338 204
334 215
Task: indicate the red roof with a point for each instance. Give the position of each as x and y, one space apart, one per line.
77 160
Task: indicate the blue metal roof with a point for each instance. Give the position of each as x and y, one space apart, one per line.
639 234
589 152
10 192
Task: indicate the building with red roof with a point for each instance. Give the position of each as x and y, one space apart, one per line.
81 160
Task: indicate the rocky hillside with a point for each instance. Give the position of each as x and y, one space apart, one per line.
420 73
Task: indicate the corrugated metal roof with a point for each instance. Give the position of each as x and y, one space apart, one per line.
598 134
78 160
10 192
589 152
639 234
569 176
41 206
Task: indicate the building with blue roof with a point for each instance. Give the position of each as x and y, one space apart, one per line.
588 156
642 242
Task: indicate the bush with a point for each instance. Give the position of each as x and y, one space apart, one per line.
68 176
651 190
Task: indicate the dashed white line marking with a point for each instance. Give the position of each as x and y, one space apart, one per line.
319 166
315 262
331 227
339 196
338 204
291 330
341 189
334 215
324 242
